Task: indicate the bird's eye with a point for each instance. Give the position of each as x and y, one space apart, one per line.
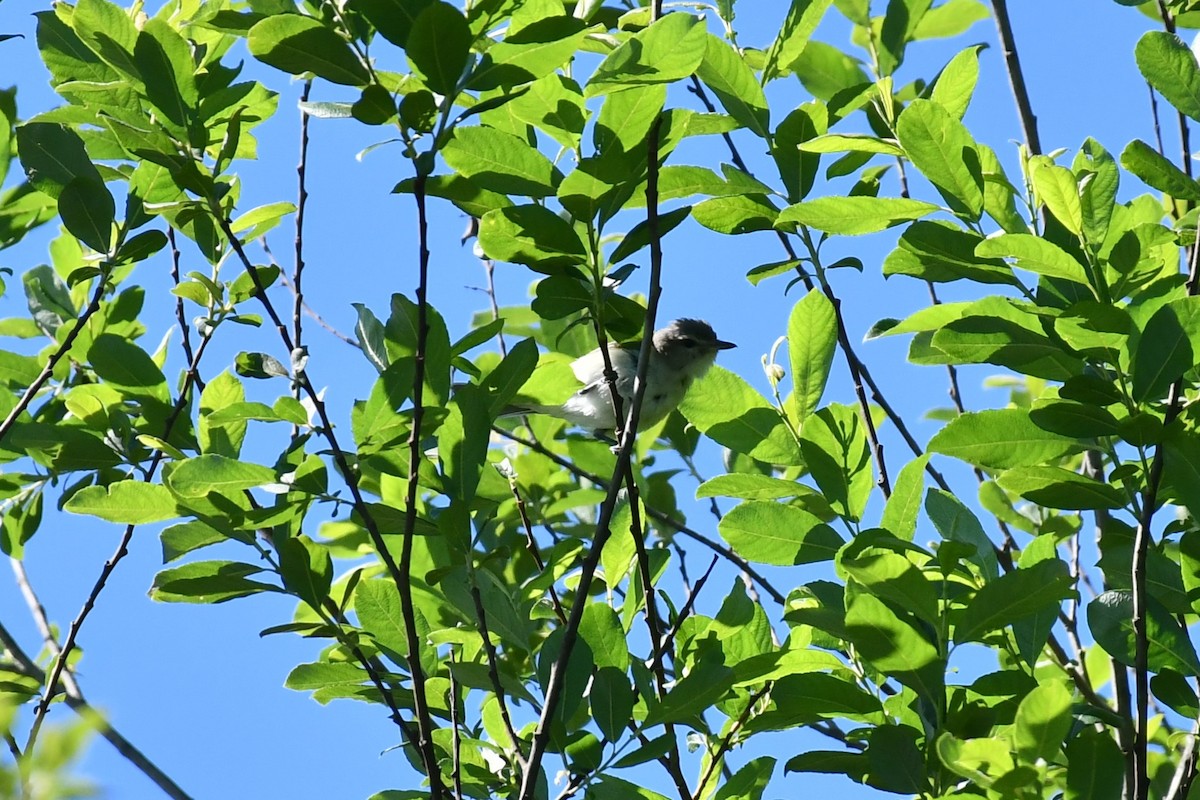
689 343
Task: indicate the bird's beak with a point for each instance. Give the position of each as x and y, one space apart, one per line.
720 345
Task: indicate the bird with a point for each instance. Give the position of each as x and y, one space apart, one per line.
681 352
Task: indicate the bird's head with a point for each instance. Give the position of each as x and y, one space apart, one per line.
689 345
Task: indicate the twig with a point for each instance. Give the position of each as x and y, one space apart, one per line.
493 673
1141 547
180 314
308 309
685 612
726 743
404 573
76 702
654 513
1016 77
60 660
1184 132
59 353
532 547
301 205
424 741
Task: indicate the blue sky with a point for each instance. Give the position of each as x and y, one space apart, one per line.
195 686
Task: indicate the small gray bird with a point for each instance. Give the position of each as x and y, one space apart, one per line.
681 352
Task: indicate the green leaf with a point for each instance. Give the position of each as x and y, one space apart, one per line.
951 18
955 522
1158 172
704 686
737 214
852 764
1167 348
943 150
851 143
53 156
1110 619
812 340
611 698
1034 254
625 119
892 646
1076 420
438 46
467 195
1095 766
532 52
601 628
639 235
771 533
956 83
1169 65
532 235
730 412
835 449
899 24
377 604
669 49
749 782
999 331
463 443
1181 453
306 569
129 502
300 45
207 582
904 506
890 576
87 210
553 104
726 73
1011 596
108 31
392 18
942 252
370 334
1099 179
897 763
164 61
501 162
1055 186
198 476
852 216
123 364
790 44
1055 487
747 486
826 72
1001 439
804 698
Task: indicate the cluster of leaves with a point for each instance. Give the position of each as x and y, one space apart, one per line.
492 646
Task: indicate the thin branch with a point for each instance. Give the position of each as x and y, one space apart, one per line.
654 513
727 743
1185 145
60 660
301 205
404 573
424 742
308 309
489 648
1012 62
59 353
180 314
532 547
1141 546
76 702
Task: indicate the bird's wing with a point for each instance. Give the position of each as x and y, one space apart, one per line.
589 369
